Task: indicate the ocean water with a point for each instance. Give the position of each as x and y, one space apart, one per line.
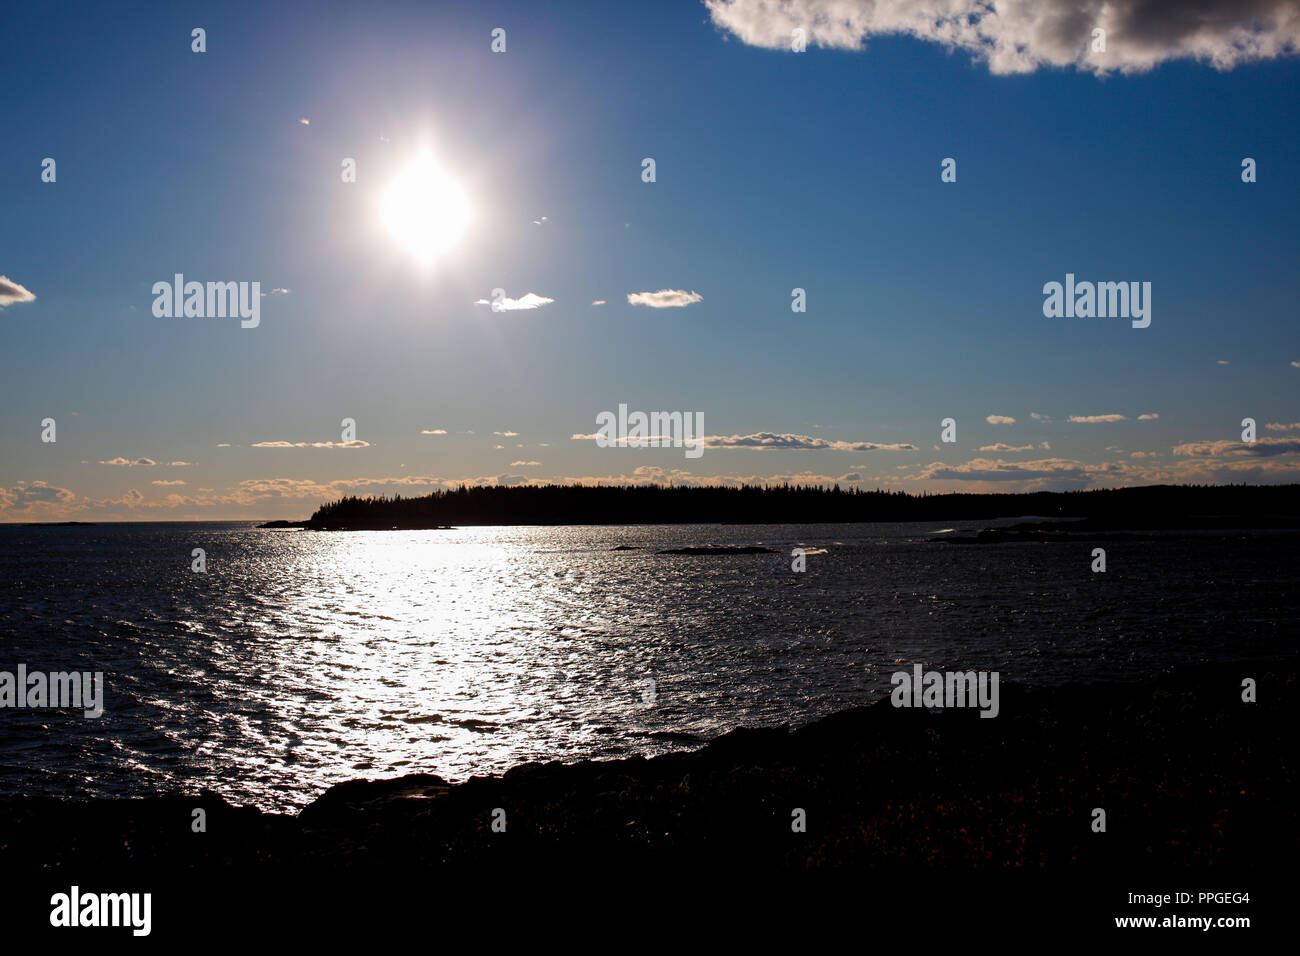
300 659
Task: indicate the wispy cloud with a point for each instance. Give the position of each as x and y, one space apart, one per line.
433 431
11 292
1000 420
130 462
1096 419
1149 417
529 300
999 446
986 469
664 298
310 444
1260 448
783 441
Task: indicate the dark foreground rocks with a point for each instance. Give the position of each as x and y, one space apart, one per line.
1198 788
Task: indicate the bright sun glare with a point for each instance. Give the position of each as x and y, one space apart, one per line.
425 210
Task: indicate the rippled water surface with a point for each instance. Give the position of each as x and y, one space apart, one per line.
300 659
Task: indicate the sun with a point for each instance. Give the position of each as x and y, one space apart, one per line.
425 210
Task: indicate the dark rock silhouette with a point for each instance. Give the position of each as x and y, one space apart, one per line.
1191 777
1155 506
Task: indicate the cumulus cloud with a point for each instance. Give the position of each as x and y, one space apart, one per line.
1039 418
664 298
130 462
1000 446
1015 36
1260 448
1000 420
11 292
529 300
1096 419
433 431
1149 417
35 499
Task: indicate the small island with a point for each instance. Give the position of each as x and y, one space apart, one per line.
1056 514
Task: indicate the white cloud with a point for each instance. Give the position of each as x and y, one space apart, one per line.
1096 419
1149 417
507 434
598 302
130 462
664 298
529 300
525 464
433 431
11 292
1000 420
1000 446
1015 36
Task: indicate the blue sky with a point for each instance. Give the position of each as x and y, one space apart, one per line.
774 170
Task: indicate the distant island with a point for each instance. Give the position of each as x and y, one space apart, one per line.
1149 507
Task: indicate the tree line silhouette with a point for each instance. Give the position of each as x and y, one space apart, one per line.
558 504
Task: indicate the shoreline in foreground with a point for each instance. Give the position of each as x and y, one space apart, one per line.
1188 773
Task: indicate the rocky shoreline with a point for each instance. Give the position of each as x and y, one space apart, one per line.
1189 775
